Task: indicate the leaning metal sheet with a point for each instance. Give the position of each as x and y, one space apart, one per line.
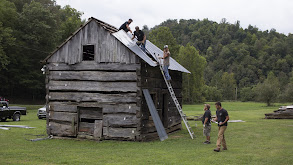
155 52
126 40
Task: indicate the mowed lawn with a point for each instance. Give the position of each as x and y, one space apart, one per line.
256 141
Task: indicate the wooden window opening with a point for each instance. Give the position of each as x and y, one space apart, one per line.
88 53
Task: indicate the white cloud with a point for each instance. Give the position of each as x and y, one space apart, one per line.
263 14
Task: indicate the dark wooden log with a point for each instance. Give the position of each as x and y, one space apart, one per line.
63 116
98 129
97 97
120 120
92 86
174 128
279 117
93 75
130 108
63 107
154 135
63 129
92 66
86 127
125 133
91 113
173 120
120 108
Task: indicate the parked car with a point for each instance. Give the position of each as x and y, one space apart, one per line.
13 112
42 112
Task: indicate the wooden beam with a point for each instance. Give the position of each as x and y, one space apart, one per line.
98 129
96 97
93 75
91 65
125 133
92 86
61 129
120 120
63 116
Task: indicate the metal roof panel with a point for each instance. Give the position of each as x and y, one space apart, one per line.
127 41
155 52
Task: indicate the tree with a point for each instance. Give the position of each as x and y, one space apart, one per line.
286 95
268 90
70 21
228 86
192 83
8 16
212 93
246 94
162 36
29 31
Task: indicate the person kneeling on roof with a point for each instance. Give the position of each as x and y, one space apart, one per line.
125 26
141 38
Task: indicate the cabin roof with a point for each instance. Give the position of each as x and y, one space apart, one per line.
126 40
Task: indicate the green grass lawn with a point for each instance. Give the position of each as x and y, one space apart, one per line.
257 141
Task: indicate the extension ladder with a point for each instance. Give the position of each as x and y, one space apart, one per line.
172 93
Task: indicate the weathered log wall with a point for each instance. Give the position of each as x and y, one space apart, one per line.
151 78
103 98
94 101
107 48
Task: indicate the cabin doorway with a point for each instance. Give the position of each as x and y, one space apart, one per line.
90 123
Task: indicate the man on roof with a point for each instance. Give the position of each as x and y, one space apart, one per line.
141 38
125 26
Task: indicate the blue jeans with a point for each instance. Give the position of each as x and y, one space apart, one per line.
142 46
166 72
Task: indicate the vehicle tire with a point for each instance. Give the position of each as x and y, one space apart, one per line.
39 117
3 119
16 117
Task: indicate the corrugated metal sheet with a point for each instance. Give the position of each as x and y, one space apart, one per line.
155 51
150 47
126 40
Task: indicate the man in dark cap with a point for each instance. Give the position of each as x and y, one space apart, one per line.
125 26
141 38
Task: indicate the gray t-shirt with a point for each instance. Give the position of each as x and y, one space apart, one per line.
167 59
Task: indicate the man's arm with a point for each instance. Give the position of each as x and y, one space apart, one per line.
133 36
226 120
205 120
127 26
215 119
144 38
166 55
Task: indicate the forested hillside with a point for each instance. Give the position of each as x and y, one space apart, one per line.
236 58
29 31
227 61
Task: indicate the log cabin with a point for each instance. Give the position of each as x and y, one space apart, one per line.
94 83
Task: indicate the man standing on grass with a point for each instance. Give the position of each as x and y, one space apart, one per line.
206 121
222 118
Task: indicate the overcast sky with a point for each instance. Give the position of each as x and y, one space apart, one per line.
264 14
